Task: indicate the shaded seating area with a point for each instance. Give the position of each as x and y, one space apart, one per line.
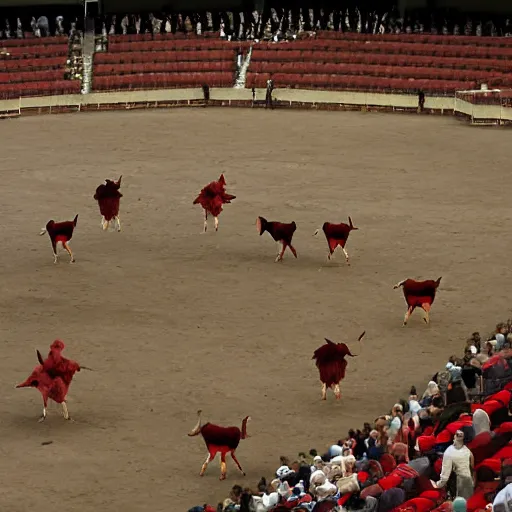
146 61
35 67
403 63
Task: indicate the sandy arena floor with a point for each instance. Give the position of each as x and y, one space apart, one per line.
173 321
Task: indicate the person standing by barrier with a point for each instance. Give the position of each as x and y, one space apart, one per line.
421 101
206 94
268 97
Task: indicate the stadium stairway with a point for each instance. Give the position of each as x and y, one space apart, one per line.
242 74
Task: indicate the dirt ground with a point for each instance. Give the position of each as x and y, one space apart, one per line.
172 320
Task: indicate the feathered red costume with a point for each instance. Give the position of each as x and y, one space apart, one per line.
220 439
109 198
337 235
60 232
212 198
282 233
331 363
419 294
52 377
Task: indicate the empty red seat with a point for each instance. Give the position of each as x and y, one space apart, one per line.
20 52
30 41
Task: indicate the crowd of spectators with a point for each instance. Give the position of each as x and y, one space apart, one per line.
42 26
420 448
272 24
279 24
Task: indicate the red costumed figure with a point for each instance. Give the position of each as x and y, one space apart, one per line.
60 232
109 197
337 235
281 232
52 377
419 294
331 363
211 198
220 439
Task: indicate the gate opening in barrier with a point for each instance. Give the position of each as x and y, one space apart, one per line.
492 107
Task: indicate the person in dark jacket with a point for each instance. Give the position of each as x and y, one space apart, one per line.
471 375
421 101
268 97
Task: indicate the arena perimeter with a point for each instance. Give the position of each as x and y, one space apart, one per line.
172 320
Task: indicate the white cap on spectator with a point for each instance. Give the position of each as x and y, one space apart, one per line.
283 471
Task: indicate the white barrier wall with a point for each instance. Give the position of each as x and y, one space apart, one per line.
149 96
479 111
506 114
195 95
484 107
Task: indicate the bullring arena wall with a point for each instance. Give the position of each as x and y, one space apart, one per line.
465 104
294 98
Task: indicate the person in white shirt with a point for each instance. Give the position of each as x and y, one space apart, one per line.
458 459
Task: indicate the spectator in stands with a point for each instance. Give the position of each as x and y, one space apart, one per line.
44 26
59 26
500 336
458 460
477 341
442 379
474 343
273 24
360 447
508 29
395 426
371 439
457 391
381 426
435 409
234 497
489 349
471 373
454 366
469 353
431 391
459 504
35 28
414 408
19 29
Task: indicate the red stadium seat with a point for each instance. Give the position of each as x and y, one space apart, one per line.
408 62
